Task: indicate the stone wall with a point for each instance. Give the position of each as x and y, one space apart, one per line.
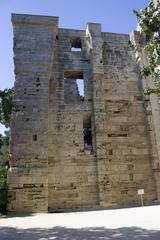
34 39
51 167
73 179
124 146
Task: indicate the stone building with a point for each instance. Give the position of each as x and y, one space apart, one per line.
70 151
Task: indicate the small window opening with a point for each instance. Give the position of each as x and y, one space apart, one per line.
131 176
34 137
87 131
76 45
25 90
37 79
110 152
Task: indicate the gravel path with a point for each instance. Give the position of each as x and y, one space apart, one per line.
142 223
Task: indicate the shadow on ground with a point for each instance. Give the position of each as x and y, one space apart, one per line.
5 215
61 233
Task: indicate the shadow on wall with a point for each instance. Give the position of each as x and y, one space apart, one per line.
60 233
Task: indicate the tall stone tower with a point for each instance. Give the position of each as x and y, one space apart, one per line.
70 151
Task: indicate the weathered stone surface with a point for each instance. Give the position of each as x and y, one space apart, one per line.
51 166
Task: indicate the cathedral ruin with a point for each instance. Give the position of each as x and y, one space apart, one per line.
86 147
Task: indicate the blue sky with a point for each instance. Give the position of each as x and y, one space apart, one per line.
114 15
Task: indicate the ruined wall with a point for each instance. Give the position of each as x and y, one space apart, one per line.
72 170
51 167
152 110
34 39
124 145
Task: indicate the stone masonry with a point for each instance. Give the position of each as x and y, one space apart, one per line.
77 152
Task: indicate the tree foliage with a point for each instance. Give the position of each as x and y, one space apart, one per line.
149 22
6 106
4 148
4 159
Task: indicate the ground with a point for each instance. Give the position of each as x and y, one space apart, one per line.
121 224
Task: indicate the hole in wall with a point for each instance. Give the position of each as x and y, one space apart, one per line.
25 90
87 131
76 45
73 86
110 152
131 176
130 167
34 137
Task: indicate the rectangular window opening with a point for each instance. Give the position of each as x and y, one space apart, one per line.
73 86
131 176
76 45
87 131
34 137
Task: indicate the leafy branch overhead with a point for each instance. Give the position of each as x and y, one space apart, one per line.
149 22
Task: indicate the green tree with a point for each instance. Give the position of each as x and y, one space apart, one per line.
4 159
149 22
6 106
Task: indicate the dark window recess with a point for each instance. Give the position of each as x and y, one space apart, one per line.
131 176
57 37
34 137
25 90
87 131
110 152
130 167
38 84
76 45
